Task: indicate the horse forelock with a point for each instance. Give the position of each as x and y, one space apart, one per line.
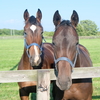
32 20
65 22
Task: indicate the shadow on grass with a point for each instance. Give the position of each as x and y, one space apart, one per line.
33 96
14 66
96 97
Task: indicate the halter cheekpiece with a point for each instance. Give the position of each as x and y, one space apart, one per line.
72 64
32 44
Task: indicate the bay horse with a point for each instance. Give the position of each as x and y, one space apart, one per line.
36 54
68 53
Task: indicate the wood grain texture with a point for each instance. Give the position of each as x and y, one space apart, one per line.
31 75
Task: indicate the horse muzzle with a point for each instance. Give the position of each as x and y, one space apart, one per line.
35 60
64 84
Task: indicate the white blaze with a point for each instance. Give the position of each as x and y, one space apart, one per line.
33 28
36 58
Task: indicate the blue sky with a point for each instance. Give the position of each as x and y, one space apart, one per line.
11 11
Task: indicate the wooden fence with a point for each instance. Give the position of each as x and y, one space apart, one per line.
43 76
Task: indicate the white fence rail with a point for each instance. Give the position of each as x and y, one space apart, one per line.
42 76
31 75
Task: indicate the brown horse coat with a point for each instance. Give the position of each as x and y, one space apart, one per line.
65 41
33 34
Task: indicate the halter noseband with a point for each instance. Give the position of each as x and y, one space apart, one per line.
32 44
66 59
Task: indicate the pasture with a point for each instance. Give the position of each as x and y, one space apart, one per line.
11 51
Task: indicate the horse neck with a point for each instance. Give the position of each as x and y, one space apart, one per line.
25 59
83 59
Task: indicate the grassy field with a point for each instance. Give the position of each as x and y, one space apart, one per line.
10 54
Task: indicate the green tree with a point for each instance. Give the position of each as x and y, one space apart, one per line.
80 30
48 33
10 31
87 27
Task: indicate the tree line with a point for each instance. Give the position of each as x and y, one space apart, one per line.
10 32
87 28
84 28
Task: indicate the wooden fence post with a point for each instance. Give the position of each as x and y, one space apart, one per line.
43 85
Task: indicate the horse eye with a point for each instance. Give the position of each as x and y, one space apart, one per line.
41 32
25 34
77 43
53 43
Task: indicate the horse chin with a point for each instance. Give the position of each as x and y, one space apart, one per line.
64 86
34 65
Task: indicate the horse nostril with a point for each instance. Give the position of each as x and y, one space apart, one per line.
30 57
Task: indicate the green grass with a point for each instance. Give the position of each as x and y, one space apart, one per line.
93 46
11 51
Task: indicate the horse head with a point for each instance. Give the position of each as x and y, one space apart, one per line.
65 43
33 37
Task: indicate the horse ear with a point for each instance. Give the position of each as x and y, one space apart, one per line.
56 18
26 14
39 15
74 18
